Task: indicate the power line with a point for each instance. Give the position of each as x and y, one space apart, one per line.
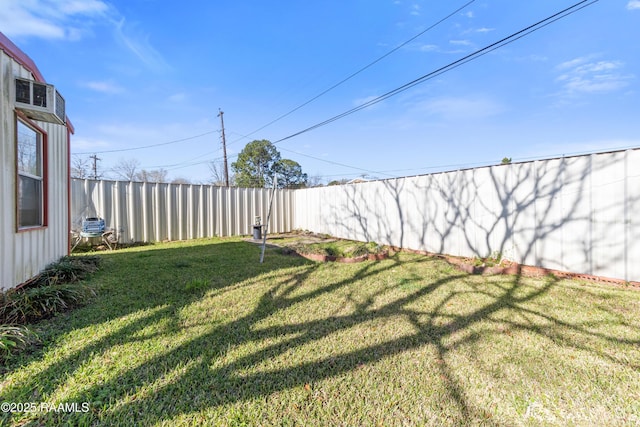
494 162
513 37
360 70
452 65
303 104
149 146
337 163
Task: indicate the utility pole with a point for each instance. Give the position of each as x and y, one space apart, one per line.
224 150
95 165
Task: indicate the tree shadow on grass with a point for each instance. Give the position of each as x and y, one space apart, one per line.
146 287
205 372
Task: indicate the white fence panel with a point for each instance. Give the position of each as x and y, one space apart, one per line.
151 212
632 218
573 214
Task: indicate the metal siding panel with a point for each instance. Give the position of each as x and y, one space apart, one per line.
538 212
143 203
118 220
135 212
576 222
632 221
125 219
189 207
472 213
213 213
182 215
413 214
25 254
524 193
172 213
202 214
230 212
549 212
608 190
7 183
242 211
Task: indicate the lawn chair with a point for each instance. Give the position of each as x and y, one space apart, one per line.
95 228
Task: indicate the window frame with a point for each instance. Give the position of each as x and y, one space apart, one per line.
42 179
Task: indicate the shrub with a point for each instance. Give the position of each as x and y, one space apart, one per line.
67 270
14 338
35 303
52 291
331 249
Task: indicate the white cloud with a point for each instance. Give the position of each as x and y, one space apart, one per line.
456 108
71 20
533 58
428 48
138 43
177 97
360 101
633 4
87 144
585 75
460 42
85 7
104 87
49 19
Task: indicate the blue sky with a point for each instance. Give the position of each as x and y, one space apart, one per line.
136 73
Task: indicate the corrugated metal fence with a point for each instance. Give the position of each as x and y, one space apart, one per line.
577 214
153 212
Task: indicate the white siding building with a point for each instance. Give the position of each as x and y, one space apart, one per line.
34 169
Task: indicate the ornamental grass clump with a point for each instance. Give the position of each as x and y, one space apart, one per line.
30 304
14 338
67 270
55 290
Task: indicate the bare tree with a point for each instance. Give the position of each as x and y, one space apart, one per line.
79 167
158 175
314 181
217 174
180 180
338 181
127 169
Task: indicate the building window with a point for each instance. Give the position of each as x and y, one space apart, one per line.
30 166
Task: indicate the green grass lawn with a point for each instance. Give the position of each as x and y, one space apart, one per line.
200 333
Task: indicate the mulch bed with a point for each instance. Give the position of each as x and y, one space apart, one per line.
329 258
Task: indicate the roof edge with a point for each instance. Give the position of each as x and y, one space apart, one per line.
16 53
